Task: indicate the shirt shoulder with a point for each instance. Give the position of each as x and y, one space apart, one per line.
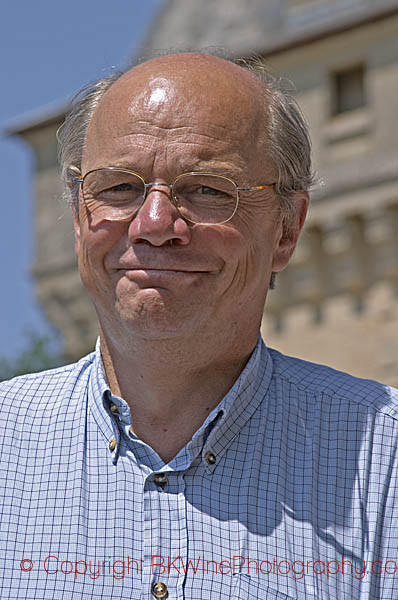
323 382
40 391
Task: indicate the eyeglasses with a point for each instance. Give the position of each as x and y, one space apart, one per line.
116 194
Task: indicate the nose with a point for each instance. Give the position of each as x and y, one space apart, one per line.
158 220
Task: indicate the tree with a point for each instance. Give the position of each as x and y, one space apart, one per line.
40 353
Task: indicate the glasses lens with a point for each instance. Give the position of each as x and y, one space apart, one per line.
112 195
205 198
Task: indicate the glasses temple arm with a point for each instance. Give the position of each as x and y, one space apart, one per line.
257 187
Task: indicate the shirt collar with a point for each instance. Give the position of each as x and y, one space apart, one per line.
99 404
221 426
238 405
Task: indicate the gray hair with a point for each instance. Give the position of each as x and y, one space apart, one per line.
289 145
71 135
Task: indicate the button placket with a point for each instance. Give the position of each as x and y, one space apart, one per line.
165 541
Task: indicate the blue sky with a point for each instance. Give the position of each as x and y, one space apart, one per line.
48 50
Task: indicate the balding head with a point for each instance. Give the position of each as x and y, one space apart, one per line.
196 67
193 78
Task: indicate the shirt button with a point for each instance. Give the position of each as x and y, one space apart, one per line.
160 479
210 458
159 590
114 409
112 444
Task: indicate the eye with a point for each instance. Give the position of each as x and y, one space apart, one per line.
121 187
124 191
206 190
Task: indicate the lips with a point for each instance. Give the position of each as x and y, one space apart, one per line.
146 275
160 269
161 278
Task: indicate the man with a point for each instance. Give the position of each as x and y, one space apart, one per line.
184 459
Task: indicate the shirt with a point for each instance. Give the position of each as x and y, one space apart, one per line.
287 491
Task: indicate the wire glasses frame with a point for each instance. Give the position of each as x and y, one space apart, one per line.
222 195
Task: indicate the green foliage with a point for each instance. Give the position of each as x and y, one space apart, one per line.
40 353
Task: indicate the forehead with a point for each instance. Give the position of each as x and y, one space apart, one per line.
194 100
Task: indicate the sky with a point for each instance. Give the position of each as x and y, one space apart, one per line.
48 51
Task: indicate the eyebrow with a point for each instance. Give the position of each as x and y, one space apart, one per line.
232 174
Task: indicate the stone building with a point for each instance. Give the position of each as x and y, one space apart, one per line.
336 302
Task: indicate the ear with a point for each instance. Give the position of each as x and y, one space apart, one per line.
290 233
76 228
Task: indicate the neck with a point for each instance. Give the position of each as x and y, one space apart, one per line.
172 385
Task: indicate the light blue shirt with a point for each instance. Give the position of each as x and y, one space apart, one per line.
287 491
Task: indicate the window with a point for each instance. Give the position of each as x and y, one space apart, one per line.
348 90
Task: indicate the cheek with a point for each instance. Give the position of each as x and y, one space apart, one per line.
240 258
95 244
253 250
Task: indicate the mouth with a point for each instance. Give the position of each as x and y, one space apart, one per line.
152 263
146 275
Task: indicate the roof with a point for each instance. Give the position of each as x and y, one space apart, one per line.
37 119
255 26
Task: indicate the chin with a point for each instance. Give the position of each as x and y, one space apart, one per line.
154 318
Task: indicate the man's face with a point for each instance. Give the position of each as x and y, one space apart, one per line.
166 117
